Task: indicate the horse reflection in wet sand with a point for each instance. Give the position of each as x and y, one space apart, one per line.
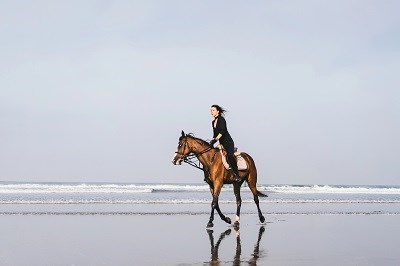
215 174
236 260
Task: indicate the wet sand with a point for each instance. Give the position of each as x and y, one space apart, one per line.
159 239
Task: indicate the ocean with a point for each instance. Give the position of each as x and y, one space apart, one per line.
191 199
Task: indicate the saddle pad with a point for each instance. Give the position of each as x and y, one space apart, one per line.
241 162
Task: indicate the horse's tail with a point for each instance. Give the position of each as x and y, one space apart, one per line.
252 176
260 194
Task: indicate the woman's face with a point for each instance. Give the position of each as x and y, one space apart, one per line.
214 112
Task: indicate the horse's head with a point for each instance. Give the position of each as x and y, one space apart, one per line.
189 146
183 149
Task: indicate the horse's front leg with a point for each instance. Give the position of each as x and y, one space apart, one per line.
215 190
215 206
223 217
210 221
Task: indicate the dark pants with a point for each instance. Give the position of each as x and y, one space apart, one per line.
230 150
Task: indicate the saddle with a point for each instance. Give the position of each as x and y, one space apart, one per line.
241 162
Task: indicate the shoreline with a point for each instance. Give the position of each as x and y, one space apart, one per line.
201 209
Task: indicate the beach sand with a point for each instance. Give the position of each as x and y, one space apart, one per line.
160 239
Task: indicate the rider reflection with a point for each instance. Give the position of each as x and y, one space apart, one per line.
237 258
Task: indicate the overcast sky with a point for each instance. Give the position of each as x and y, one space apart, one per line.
100 90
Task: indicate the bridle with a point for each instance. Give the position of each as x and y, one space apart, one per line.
190 157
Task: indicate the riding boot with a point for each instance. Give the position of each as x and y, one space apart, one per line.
237 177
235 172
232 162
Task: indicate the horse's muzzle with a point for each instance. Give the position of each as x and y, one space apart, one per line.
177 160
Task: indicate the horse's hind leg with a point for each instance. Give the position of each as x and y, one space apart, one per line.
253 189
236 188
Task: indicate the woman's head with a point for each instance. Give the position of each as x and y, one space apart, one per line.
217 110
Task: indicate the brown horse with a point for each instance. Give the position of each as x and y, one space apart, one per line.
215 174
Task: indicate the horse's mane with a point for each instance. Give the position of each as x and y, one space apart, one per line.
191 135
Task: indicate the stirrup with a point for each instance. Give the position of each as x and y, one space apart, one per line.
237 178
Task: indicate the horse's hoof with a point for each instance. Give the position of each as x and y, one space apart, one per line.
262 219
210 224
236 226
228 220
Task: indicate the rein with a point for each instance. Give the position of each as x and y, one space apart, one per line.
189 161
189 158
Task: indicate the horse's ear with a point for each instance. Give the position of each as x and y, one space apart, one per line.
183 133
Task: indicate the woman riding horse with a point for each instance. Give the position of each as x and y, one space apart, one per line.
216 175
222 135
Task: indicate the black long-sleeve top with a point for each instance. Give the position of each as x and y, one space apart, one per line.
222 129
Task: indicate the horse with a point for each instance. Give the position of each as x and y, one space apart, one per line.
216 175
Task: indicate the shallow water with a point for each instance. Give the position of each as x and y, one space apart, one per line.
165 224
192 199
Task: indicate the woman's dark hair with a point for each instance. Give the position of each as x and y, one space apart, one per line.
219 109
